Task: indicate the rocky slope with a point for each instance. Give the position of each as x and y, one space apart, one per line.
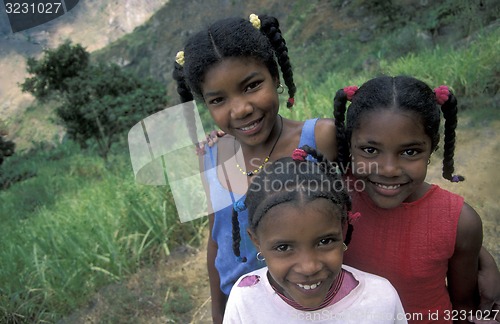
92 23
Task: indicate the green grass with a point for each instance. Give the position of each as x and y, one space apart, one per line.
76 226
177 303
471 71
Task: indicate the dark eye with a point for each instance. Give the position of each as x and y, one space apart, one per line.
283 247
253 85
410 152
215 101
325 241
369 150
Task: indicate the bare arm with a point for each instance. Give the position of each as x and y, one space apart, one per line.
219 299
489 289
463 265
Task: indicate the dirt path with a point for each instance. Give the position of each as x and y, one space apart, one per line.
476 158
177 286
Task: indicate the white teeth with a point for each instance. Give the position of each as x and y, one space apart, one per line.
387 187
309 287
249 127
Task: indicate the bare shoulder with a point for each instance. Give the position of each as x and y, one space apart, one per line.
225 148
469 219
326 140
470 226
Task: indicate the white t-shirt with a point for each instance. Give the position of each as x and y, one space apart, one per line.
373 300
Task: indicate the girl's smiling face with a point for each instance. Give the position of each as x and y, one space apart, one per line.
390 152
303 247
241 96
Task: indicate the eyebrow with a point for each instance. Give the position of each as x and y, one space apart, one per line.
245 80
336 235
410 144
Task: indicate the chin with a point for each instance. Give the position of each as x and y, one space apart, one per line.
385 202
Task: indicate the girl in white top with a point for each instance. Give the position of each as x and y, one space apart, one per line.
297 208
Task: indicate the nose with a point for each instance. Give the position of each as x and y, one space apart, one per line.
389 166
308 264
240 108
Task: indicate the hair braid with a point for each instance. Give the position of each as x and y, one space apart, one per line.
314 153
236 234
186 96
270 28
348 235
323 163
182 87
449 109
329 169
339 110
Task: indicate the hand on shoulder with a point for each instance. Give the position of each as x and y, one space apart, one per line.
210 140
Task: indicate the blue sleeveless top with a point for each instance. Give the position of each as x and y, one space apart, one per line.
229 268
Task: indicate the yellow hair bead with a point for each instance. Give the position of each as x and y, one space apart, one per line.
254 19
179 58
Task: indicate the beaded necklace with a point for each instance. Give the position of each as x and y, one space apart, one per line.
251 173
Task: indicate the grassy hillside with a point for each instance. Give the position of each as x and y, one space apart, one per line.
76 224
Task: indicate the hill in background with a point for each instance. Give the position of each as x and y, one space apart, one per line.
94 24
322 36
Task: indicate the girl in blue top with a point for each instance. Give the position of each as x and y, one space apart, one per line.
232 67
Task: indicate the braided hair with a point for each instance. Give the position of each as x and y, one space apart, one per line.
298 181
404 93
231 37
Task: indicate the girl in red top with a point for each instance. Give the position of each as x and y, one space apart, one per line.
422 238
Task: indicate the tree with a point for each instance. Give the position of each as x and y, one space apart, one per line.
103 102
6 147
100 101
54 69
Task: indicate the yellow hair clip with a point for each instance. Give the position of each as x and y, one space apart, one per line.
179 58
254 19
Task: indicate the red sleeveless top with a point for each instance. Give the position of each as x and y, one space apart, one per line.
409 245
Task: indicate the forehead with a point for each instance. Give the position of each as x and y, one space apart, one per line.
393 124
300 221
233 66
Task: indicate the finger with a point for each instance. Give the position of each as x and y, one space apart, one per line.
200 149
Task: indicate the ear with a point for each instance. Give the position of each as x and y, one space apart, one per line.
254 238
